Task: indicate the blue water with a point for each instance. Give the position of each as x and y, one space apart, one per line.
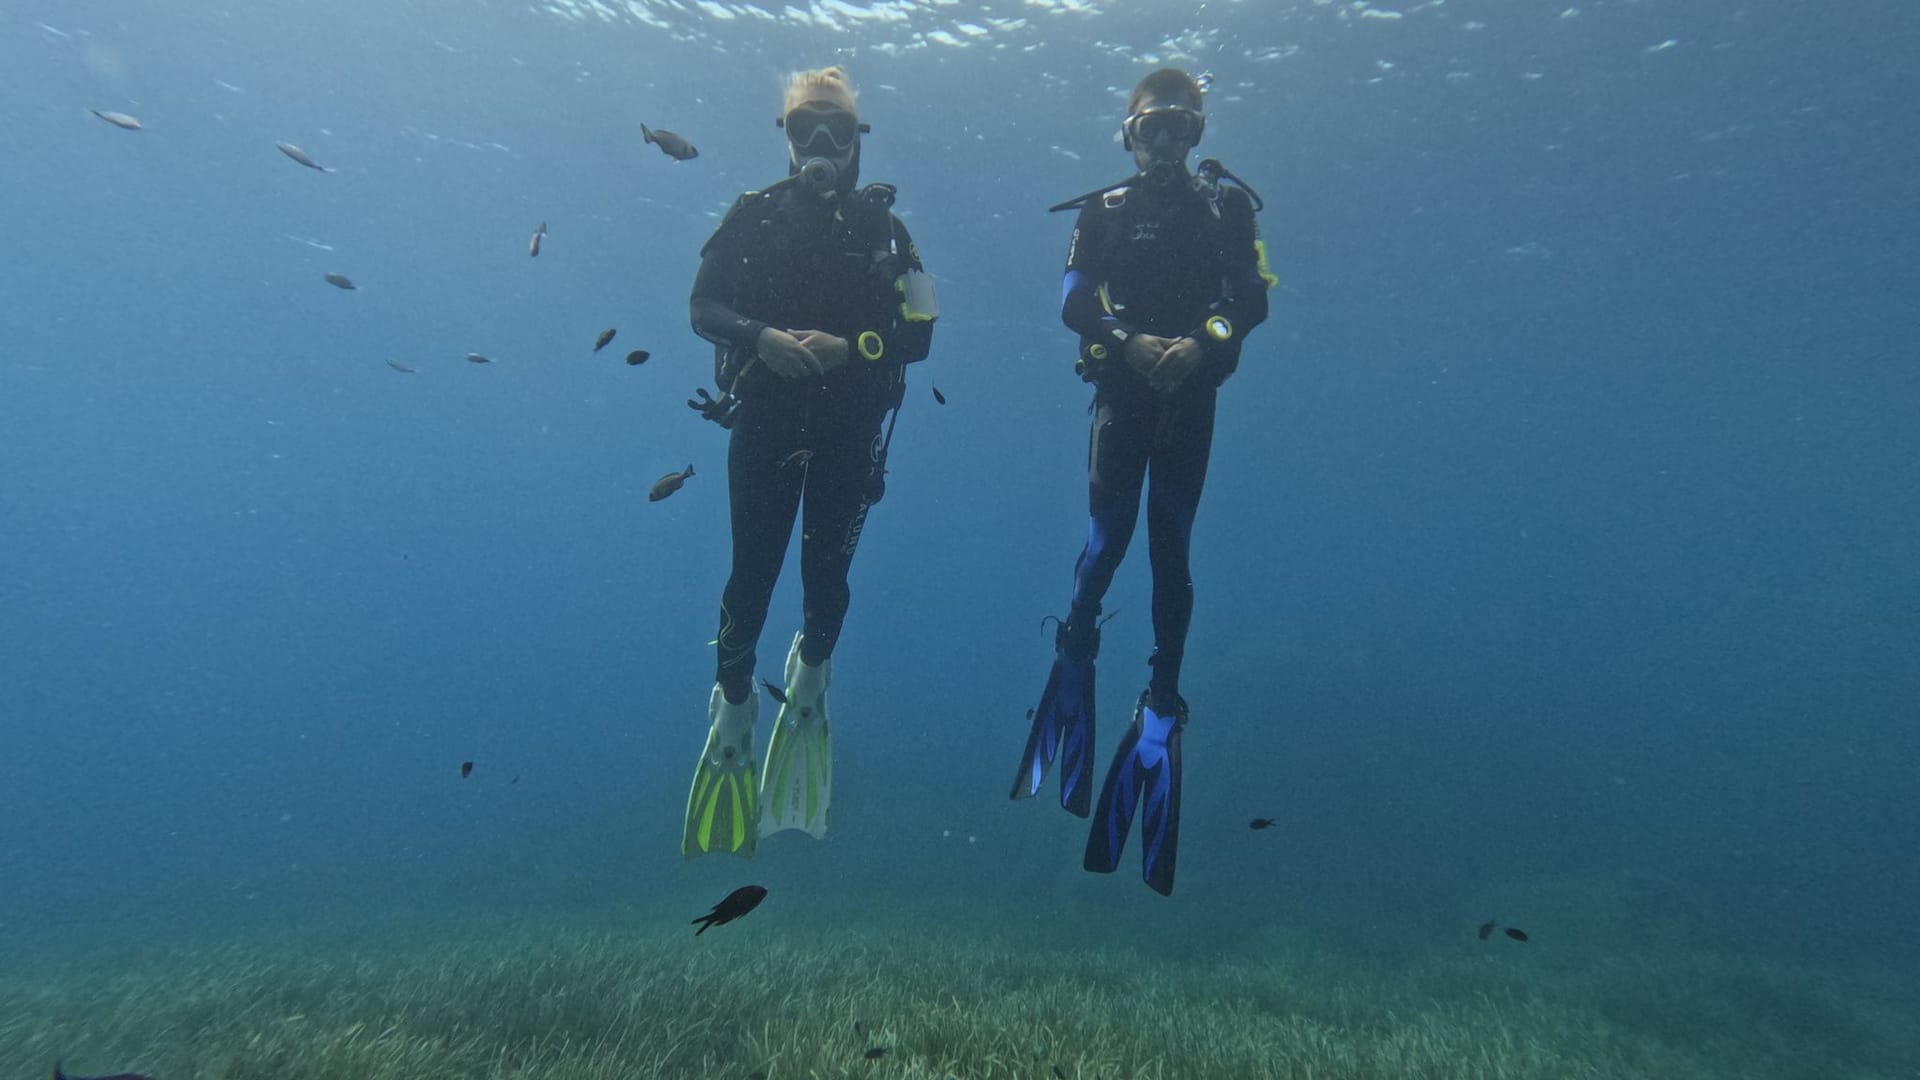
1561 526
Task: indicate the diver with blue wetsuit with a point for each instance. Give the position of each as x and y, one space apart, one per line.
1165 276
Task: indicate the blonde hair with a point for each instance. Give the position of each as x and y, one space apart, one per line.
828 85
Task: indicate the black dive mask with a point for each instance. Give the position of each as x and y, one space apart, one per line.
823 142
1165 131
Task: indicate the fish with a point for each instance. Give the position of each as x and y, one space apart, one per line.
738 903
875 1053
476 358
117 119
605 336
1516 933
1060 1072
638 357
938 396
58 1075
774 692
340 281
670 144
533 245
1486 929
515 780
300 156
466 769
668 484
1029 716
400 367
1263 823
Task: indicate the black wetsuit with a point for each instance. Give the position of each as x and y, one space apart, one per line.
788 259
1169 257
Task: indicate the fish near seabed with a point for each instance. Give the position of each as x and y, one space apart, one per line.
301 156
738 903
117 119
670 144
668 484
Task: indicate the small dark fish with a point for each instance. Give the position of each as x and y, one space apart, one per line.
1263 823
1029 716
340 281
400 367
1486 929
738 903
117 119
476 358
668 484
638 357
938 396
58 1075
601 341
798 457
670 144
1516 933
875 1053
301 156
774 692
466 769
515 780
1060 1072
533 245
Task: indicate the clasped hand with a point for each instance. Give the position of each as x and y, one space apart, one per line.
1165 362
800 354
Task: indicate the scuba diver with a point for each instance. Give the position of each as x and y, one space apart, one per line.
1166 274
814 298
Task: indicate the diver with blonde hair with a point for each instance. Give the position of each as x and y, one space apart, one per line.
815 300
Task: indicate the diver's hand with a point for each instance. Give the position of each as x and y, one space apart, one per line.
828 349
1175 365
785 356
1142 353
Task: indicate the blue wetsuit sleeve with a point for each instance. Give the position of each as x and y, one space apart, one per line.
1080 306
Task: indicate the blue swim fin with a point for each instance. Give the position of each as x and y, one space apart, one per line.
1146 773
1062 728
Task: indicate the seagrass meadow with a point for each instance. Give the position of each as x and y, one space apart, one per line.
497 999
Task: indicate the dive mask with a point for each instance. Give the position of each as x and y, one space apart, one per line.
1165 125
816 130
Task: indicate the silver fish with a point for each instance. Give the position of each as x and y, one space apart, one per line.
400 367
117 119
300 156
533 245
476 358
340 281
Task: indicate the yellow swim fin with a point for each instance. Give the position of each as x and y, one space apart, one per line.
723 809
